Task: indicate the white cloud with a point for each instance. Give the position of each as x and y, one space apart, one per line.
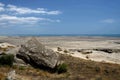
2 7
10 16
1 4
108 21
18 20
14 20
24 10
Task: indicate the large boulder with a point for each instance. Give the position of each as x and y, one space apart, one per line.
35 53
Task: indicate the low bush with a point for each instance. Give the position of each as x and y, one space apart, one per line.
7 59
65 51
62 68
21 67
97 69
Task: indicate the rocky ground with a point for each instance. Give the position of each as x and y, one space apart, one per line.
104 49
79 53
78 69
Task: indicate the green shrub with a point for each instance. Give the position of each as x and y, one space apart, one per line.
7 59
21 67
97 69
62 68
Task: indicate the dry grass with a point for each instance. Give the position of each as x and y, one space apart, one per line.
78 69
2 76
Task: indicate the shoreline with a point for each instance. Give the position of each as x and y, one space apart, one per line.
63 35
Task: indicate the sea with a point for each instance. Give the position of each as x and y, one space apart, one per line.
81 35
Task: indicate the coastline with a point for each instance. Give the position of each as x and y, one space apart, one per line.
62 35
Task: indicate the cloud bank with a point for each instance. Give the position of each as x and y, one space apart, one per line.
24 10
11 15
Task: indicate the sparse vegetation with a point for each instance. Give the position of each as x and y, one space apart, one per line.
2 76
62 68
65 51
97 69
98 78
7 59
77 69
21 67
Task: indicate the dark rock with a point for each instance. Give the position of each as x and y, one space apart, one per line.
59 49
79 50
86 51
87 57
66 51
36 54
83 51
117 42
108 50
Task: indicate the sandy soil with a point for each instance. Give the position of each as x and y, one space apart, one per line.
76 43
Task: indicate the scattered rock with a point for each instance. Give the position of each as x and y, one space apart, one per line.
117 42
73 50
79 50
71 53
4 47
87 57
36 54
86 51
11 75
59 49
108 50
66 51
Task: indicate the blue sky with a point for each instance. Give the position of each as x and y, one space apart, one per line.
59 17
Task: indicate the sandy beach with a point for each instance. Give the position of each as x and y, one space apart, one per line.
73 44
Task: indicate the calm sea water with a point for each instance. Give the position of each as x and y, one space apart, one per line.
98 35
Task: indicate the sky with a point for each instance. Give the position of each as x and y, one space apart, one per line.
59 17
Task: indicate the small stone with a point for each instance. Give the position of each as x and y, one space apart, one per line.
65 51
59 49
86 51
87 57
11 75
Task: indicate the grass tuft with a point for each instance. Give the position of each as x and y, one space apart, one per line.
62 68
7 59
